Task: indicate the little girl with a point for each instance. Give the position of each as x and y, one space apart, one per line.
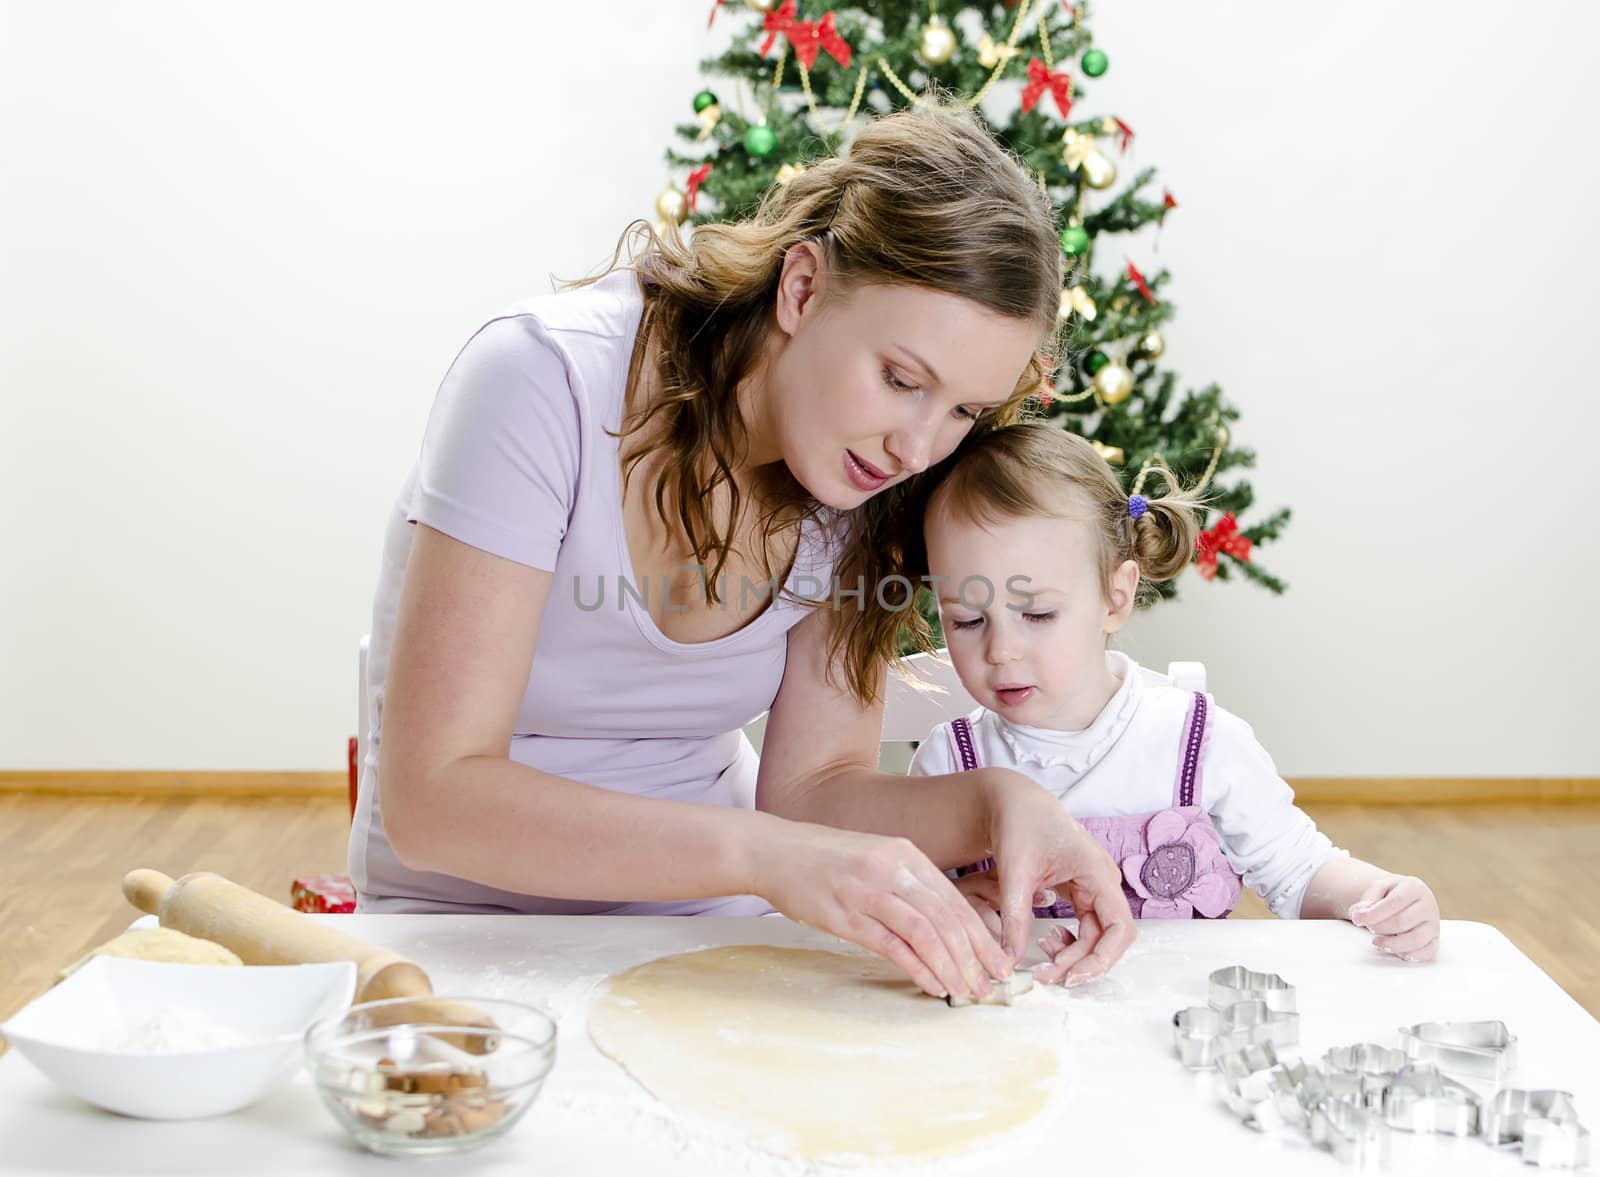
1036 555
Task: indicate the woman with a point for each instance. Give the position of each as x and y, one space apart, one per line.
576 613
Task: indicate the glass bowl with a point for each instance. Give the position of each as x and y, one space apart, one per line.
414 1075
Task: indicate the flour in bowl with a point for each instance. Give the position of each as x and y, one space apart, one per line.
179 1030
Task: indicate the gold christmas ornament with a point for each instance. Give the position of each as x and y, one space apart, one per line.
759 5
1077 302
1109 126
1075 148
1098 171
1151 345
673 206
709 117
938 41
1111 453
788 172
1114 383
991 54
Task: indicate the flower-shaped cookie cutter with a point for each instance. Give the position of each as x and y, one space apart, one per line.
1298 1089
1483 1050
1362 1074
1355 1135
1544 1123
1422 1100
1201 1032
1247 1084
1237 983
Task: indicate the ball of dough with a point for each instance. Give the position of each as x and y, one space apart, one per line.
164 944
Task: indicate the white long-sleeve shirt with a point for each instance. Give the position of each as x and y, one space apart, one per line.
1126 761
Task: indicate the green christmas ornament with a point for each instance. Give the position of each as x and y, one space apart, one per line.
1094 361
704 99
1075 240
761 140
1095 63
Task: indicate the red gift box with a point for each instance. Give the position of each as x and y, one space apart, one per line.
324 893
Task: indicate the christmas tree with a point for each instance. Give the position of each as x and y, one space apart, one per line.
802 80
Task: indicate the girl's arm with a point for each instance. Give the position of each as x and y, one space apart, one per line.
1270 841
1294 866
1400 911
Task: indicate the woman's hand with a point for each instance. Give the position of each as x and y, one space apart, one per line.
883 894
1403 916
982 889
1038 847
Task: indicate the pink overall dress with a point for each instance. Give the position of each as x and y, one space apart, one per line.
1172 862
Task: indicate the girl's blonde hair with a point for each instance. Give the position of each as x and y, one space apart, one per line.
1037 469
923 198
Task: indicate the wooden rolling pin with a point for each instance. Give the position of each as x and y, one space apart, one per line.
262 931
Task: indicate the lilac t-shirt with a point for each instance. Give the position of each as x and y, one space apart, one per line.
517 461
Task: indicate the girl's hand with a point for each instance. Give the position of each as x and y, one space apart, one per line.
1038 847
1403 915
885 895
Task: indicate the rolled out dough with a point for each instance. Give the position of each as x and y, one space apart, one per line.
827 1056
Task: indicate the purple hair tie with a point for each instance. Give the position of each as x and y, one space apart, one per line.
1137 506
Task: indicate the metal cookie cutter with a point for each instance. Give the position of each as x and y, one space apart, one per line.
1238 983
1485 1050
1005 992
1423 1100
1246 1084
1201 1033
1299 1090
1355 1135
1544 1123
1363 1073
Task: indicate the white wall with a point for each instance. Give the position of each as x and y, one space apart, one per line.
240 246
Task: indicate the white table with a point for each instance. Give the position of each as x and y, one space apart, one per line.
1130 1108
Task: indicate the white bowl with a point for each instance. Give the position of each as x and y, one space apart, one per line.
79 1033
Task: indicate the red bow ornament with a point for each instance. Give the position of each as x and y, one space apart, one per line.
778 23
810 37
697 178
1224 537
1041 79
1140 284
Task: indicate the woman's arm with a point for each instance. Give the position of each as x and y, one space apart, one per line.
819 763
454 802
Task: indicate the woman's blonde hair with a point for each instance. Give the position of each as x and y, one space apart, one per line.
1037 469
923 198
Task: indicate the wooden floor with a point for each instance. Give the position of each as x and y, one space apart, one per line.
1533 871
